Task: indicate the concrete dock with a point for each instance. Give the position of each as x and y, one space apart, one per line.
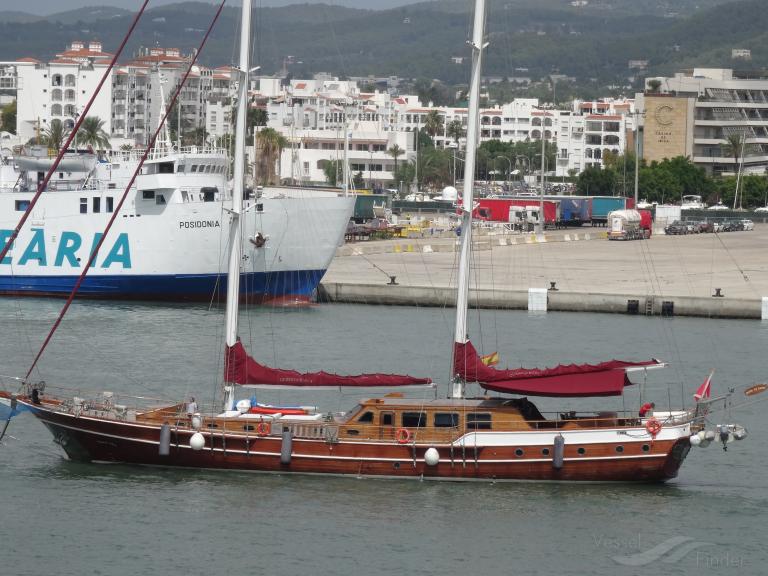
675 275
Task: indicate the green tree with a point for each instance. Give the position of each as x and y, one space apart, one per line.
56 134
433 124
395 152
358 181
455 130
596 182
271 144
332 171
435 168
405 173
8 122
257 117
91 133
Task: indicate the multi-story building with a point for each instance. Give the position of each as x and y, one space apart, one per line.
590 130
695 112
60 89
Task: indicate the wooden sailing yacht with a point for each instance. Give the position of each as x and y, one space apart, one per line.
453 438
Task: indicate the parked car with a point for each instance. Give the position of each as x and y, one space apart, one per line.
676 227
762 209
717 227
706 227
747 224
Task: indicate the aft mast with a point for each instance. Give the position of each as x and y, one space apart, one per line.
235 231
462 296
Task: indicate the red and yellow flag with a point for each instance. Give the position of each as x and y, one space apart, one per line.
490 359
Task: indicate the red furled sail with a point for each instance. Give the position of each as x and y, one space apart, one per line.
240 368
604 379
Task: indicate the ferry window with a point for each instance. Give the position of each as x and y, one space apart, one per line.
110 204
148 194
446 420
387 419
478 421
83 205
414 419
194 168
165 168
111 186
160 199
207 168
209 193
366 418
180 169
22 205
96 205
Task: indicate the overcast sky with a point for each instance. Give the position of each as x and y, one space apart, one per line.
45 7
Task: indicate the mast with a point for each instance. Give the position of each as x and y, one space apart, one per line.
543 166
235 230
462 293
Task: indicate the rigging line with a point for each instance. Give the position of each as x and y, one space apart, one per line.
747 281
119 206
44 184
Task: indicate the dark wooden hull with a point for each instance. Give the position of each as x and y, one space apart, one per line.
105 440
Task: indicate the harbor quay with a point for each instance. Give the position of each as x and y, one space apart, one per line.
722 275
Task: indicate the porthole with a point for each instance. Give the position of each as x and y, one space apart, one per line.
581 451
646 447
619 449
519 452
545 451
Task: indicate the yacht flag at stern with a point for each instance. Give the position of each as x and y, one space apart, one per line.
565 380
240 368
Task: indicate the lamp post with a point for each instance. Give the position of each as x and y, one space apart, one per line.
526 163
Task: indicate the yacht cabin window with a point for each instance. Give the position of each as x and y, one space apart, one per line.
414 419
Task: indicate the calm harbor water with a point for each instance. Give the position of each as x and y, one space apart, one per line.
63 518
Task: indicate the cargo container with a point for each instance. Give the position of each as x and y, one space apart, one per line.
370 206
603 205
574 210
504 210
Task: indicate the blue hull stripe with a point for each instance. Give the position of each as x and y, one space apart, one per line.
300 284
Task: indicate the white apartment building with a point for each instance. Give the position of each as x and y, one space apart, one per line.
61 88
694 112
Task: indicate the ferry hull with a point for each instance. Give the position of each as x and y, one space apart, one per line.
295 285
93 439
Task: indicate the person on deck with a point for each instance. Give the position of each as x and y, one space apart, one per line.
647 409
191 407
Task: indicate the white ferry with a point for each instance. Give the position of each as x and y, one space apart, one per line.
169 236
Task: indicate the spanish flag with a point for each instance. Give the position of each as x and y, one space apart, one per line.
490 359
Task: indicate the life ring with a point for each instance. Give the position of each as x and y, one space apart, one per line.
263 428
653 426
403 435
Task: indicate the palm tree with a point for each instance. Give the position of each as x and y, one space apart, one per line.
433 124
271 143
55 134
395 152
733 147
455 129
91 133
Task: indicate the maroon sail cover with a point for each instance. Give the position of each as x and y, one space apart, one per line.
604 379
240 368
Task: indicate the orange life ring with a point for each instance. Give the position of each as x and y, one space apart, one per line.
653 426
403 436
263 428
